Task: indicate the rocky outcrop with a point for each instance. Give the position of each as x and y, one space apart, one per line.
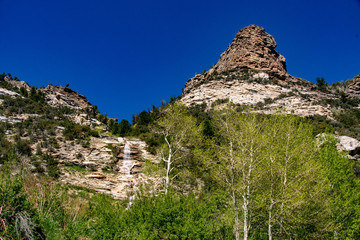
64 96
55 95
4 91
98 167
252 72
85 119
271 98
9 119
353 87
349 144
17 83
352 147
253 48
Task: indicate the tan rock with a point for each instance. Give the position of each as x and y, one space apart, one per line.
353 89
251 72
64 96
255 49
102 170
96 175
136 170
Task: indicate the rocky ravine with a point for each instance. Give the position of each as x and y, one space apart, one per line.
101 165
251 72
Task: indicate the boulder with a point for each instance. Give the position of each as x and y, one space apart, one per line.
349 144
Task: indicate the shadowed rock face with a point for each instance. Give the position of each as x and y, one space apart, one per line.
353 89
255 49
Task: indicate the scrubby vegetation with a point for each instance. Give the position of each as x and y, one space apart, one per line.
227 174
230 174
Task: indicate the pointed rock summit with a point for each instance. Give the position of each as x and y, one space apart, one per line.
252 73
253 48
252 55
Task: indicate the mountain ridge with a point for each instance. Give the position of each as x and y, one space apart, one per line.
251 72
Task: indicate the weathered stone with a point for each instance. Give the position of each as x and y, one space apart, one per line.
96 175
348 144
17 83
4 91
255 49
251 72
134 151
353 88
136 170
64 96
9 119
101 168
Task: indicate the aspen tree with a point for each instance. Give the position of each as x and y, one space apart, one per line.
177 128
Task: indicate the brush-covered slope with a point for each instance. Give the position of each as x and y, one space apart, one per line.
57 132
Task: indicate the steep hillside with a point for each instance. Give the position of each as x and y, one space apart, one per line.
252 72
65 137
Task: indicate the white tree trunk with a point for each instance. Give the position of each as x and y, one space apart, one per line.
270 220
246 214
236 210
168 166
246 193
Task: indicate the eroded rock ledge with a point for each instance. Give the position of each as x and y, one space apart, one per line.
252 72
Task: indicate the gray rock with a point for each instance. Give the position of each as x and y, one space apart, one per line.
349 144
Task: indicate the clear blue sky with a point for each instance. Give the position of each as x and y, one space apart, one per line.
125 56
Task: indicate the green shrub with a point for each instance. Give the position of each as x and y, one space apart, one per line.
162 217
22 147
18 220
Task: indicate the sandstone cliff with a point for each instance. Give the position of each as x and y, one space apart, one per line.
252 72
353 88
253 48
64 96
96 162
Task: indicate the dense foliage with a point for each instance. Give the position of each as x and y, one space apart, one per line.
227 174
259 176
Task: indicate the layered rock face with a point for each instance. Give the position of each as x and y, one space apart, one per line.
252 72
100 163
18 84
64 96
353 89
252 48
102 166
255 49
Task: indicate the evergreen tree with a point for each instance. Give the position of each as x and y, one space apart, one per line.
124 127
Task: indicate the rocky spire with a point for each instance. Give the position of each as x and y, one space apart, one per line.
255 49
